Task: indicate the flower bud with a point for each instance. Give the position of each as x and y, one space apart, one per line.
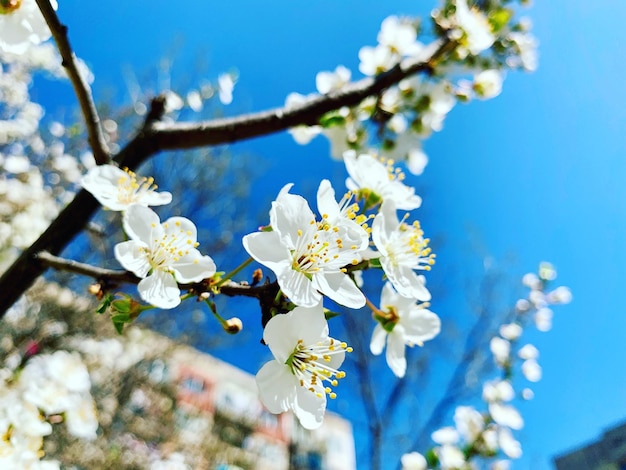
233 326
9 6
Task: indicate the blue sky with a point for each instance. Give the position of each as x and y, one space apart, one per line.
539 172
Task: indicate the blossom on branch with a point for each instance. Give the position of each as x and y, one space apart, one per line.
402 249
21 25
162 254
404 323
477 35
117 189
375 181
309 256
305 366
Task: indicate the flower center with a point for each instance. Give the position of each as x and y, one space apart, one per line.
129 189
9 6
170 248
312 366
410 248
388 318
319 246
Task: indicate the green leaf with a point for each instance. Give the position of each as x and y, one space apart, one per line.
332 119
330 314
119 327
104 305
499 18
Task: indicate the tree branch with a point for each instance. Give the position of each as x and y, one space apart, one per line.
156 136
117 276
81 87
182 135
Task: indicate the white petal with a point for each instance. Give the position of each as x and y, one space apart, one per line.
395 352
101 181
160 289
193 267
420 325
340 288
405 281
326 202
309 407
277 387
132 258
379 338
152 198
289 214
283 332
298 288
181 226
506 415
531 370
267 249
142 223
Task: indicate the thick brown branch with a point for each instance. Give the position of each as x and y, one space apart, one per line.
81 87
156 136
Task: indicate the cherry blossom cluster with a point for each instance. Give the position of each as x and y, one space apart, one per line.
400 118
38 175
161 254
489 434
323 256
49 388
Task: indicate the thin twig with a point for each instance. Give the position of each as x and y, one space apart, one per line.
112 276
81 87
116 276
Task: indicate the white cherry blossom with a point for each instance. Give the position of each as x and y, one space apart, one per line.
478 35
21 25
404 323
375 60
506 415
469 423
488 84
308 256
531 370
117 189
413 461
400 36
162 255
326 82
305 366
369 177
402 248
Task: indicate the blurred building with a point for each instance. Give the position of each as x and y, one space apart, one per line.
606 453
216 399
162 404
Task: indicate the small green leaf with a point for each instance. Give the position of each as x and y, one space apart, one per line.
499 18
119 327
330 314
104 305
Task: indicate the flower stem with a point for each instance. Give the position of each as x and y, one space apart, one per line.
229 276
213 308
375 310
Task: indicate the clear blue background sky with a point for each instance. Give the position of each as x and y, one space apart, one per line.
539 172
